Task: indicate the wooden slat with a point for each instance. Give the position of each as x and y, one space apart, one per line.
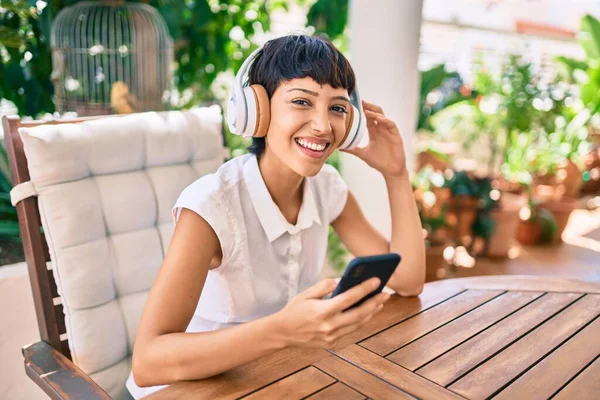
45 246
585 386
550 374
60 318
53 287
360 380
486 379
427 321
398 309
64 348
436 343
246 378
392 373
296 386
337 391
469 354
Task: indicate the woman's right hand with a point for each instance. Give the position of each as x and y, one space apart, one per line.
308 320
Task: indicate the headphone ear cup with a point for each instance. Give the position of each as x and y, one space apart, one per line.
349 119
356 130
263 110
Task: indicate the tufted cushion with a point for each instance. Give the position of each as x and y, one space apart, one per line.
106 188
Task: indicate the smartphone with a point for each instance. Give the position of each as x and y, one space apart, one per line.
363 268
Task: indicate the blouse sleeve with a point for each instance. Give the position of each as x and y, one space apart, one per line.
207 202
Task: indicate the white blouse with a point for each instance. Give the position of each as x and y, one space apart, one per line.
266 260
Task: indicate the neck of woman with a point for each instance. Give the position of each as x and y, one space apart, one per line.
284 185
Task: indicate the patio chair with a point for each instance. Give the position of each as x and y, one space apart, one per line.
94 198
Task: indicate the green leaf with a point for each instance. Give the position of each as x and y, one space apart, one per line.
432 79
589 36
9 230
548 224
589 93
570 65
329 17
9 211
10 37
172 18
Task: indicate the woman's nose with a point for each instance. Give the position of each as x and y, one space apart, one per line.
320 122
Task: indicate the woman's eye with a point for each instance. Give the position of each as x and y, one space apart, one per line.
301 102
340 109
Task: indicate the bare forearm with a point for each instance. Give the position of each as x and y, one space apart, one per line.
407 237
188 356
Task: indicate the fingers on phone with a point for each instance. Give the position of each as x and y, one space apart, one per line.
352 320
365 310
350 297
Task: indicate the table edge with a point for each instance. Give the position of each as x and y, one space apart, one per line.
521 283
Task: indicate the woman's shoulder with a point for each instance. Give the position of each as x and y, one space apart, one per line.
219 183
210 196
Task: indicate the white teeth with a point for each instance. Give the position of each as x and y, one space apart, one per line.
310 145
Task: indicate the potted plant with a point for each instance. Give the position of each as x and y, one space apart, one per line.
537 225
486 218
533 161
432 202
528 131
484 213
439 90
586 75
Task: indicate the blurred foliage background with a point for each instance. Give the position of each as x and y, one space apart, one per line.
212 38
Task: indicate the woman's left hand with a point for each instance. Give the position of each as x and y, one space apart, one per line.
385 151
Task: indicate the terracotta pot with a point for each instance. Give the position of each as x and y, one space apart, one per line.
428 158
529 232
567 181
561 211
545 193
570 177
546 180
593 135
506 186
592 166
462 212
506 220
436 266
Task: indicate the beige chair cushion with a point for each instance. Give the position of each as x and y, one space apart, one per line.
106 188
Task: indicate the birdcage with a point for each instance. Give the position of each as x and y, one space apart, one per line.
110 57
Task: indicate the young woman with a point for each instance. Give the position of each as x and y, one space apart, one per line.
239 280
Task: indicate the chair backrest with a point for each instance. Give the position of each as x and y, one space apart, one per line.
105 187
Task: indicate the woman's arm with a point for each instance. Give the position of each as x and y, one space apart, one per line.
385 153
163 352
407 237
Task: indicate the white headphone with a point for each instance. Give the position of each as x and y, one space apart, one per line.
248 110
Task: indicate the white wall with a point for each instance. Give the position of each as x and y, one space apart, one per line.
384 51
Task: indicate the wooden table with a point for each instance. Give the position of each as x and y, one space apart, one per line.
506 337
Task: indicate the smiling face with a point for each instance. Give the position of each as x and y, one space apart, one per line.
308 122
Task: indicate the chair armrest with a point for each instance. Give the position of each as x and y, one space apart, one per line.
57 375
